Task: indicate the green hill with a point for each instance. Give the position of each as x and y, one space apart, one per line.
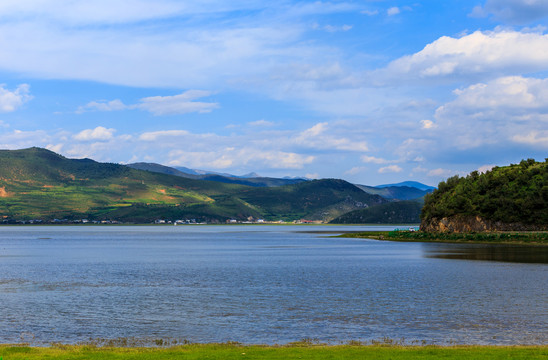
513 197
314 200
39 184
397 212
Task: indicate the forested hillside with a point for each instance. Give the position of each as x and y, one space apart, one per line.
513 197
396 212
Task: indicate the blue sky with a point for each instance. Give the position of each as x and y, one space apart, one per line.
373 92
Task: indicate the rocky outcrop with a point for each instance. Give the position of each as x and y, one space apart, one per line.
474 224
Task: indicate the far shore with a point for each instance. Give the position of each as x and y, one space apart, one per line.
537 238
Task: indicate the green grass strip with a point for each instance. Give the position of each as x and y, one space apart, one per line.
316 352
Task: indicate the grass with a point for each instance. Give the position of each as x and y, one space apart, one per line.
302 350
521 238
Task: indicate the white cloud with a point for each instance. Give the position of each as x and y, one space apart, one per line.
484 121
513 11
157 105
122 11
390 169
12 100
333 28
534 138
155 135
55 148
18 139
441 172
355 170
428 124
515 93
197 51
323 136
489 52
420 169
177 104
485 168
239 157
370 12
261 123
373 160
102 105
98 134
393 11
505 109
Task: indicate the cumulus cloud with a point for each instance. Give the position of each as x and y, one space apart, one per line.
513 11
98 134
12 100
487 52
505 110
518 94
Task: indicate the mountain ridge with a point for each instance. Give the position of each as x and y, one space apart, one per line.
407 190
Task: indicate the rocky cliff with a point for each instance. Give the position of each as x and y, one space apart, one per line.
475 224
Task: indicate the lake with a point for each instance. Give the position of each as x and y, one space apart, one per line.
263 284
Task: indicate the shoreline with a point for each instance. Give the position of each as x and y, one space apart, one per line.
535 239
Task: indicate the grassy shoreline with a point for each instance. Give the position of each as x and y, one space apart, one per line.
506 238
292 351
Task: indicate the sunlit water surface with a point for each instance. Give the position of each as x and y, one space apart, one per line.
263 284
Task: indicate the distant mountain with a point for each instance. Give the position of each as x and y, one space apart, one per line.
251 179
395 192
164 169
40 184
207 172
186 170
399 212
414 184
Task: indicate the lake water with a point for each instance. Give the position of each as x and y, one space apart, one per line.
263 284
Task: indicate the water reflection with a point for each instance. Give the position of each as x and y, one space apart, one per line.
487 252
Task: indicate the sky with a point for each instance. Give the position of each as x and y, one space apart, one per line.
370 91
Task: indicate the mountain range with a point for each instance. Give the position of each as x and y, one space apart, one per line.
407 190
39 184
